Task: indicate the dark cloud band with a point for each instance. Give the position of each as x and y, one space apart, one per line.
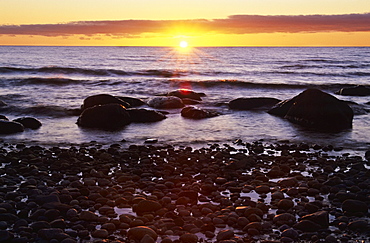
235 24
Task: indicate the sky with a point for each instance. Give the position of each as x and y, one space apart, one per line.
198 22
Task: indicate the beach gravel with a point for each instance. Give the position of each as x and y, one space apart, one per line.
220 193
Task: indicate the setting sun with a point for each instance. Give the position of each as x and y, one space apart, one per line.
183 44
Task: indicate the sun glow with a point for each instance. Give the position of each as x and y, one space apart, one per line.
183 44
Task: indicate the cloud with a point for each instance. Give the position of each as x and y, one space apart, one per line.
235 24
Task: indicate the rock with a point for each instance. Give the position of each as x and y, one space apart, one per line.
288 182
110 116
88 216
284 218
196 113
291 233
307 226
321 218
319 110
133 102
103 99
359 90
138 233
252 103
285 204
186 93
281 108
225 235
6 236
48 234
29 122
9 127
187 101
144 115
354 206
147 206
2 117
147 239
358 225
38 225
189 238
168 102
100 233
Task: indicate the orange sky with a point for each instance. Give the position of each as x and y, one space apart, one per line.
200 23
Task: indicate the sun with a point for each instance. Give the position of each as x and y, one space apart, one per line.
183 44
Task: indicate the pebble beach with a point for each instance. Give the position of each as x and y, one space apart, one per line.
227 193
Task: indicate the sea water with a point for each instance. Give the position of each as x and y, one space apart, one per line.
48 83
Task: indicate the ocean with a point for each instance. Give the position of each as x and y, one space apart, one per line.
49 82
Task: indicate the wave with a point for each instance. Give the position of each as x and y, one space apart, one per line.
243 84
94 72
50 81
40 110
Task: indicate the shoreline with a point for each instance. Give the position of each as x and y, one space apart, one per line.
243 192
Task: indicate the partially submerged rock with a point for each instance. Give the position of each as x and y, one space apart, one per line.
252 103
133 102
29 122
186 93
167 102
359 90
103 99
144 115
9 127
110 116
316 109
196 113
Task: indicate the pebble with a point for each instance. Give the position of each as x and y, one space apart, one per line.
185 193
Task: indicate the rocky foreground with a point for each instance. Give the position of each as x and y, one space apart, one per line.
221 193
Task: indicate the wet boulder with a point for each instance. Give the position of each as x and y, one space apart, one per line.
103 99
133 102
109 116
359 90
144 115
316 109
9 127
196 113
166 102
2 117
282 107
252 103
186 93
29 122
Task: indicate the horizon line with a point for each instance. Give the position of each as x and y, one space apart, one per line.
170 46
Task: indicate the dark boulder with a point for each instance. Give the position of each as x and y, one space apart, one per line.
168 102
29 122
321 218
110 116
307 226
354 206
282 108
133 102
2 117
252 103
186 93
103 99
359 90
144 115
316 109
9 127
196 113
188 101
